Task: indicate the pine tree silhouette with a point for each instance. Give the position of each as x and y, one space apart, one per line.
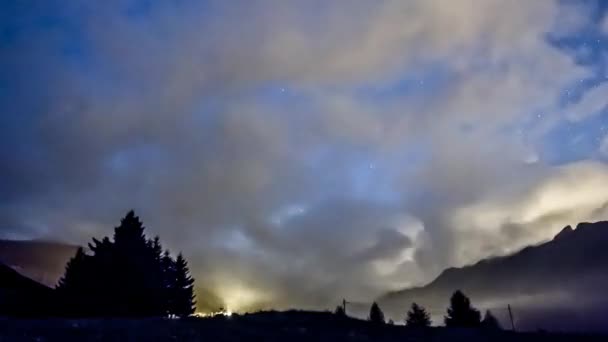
340 311
130 232
133 270
184 299
417 317
490 322
72 287
157 274
100 285
375 314
461 313
127 277
74 271
168 282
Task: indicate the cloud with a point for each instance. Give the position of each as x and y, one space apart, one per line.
604 25
509 221
297 152
592 103
604 146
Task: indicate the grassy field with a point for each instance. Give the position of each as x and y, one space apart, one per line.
263 326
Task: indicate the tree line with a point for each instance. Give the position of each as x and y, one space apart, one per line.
460 313
129 275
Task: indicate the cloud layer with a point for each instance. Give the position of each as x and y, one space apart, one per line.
300 152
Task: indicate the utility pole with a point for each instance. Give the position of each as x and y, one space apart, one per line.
344 302
511 316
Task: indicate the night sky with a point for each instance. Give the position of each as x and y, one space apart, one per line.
299 152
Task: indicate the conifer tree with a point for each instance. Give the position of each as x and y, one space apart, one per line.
340 311
417 317
184 299
461 313
375 314
156 277
490 321
168 282
130 232
133 270
74 271
72 287
128 276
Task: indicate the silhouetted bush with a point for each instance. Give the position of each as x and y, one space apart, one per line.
417 317
340 311
375 314
461 313
129 276
490 322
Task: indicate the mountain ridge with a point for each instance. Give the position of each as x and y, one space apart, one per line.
21 295
41 260
568 272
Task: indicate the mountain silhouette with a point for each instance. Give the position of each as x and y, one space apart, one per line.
43 261
22 296
544 284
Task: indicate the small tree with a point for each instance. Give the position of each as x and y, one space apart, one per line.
340 311
184 304
417 317
461 313
375 314
490 321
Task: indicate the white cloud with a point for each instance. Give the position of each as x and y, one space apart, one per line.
603 149
565 196
604 25
593 102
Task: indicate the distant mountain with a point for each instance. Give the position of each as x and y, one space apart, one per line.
12 280
561 284
42 261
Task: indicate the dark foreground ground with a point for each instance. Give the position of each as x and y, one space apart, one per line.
265 326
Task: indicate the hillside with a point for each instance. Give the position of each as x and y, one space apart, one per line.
22 296
565 277
42 261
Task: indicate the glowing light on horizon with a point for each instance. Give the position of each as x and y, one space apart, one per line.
227 313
